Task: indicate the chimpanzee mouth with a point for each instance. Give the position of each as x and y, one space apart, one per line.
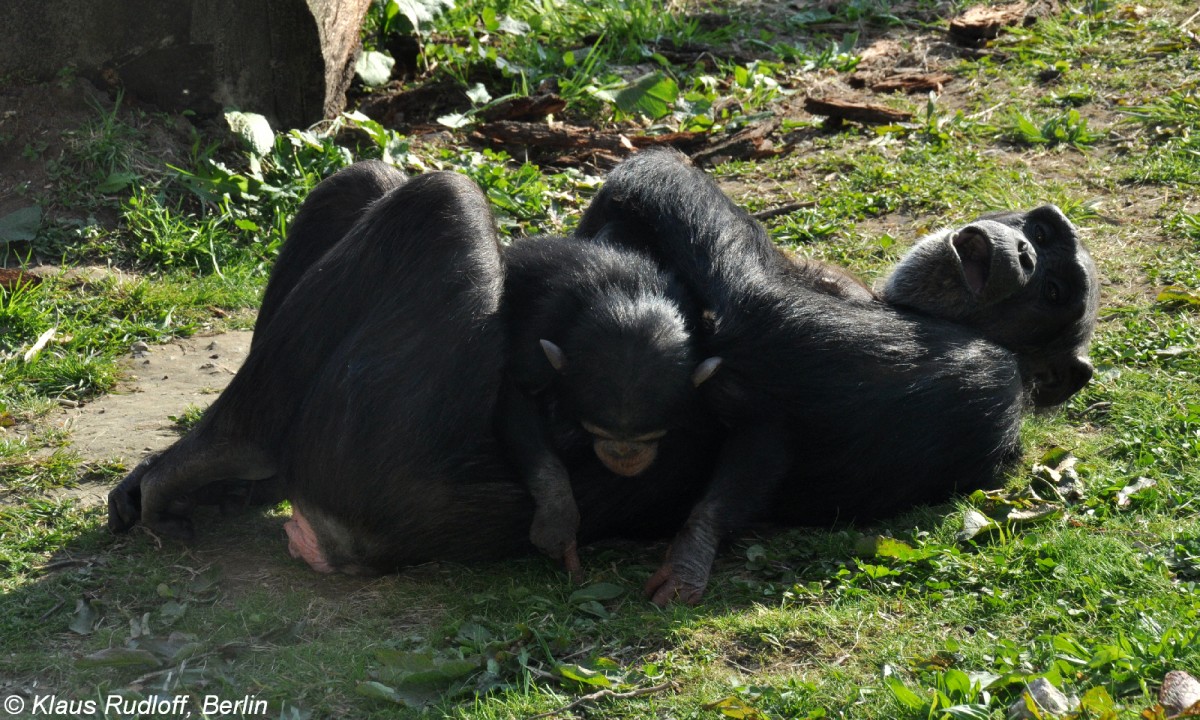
974 256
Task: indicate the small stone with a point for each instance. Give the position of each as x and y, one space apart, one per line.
140 349
1048 698
1179 692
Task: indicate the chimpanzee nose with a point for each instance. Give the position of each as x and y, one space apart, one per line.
1026 255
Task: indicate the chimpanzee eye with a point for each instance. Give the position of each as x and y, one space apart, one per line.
1039 233
1053 292
596 430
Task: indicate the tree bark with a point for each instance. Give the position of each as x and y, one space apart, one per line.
290 60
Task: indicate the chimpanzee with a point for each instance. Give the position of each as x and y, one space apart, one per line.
368 397
375 412
372 385
842 405
600 362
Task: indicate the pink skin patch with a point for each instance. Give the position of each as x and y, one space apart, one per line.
302 542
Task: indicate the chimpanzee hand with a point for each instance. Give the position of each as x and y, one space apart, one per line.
555 525
684 574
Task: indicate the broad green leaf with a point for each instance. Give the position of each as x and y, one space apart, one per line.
971 711
597 592
419 12
975 524
20 225
424 669
735 707
374 68
883 546
651 95
1178 295
379 691
116 182
513 26
84 620
253 129
907 698
583 675
591 607
811 17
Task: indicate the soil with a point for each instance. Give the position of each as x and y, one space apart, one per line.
163 382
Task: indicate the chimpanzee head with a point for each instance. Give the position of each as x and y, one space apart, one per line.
1023 280
627 371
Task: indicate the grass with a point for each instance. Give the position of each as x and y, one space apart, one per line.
1088 577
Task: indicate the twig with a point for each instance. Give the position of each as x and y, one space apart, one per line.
60 564
602 694
46 615
783 210
1189 20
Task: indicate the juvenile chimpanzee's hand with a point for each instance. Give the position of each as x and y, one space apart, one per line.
555 525
684 574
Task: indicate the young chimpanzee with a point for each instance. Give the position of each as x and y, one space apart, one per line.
839 404
600 367
369 395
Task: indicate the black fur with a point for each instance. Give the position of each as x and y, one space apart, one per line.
839 406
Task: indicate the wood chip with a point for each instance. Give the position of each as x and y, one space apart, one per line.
866 113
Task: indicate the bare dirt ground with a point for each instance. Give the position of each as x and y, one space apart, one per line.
163 381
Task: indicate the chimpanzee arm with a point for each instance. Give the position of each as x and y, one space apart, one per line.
521 428
659 203
753 462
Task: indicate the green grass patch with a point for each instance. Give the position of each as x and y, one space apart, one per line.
1083 569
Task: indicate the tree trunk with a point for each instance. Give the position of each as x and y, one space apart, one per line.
290 60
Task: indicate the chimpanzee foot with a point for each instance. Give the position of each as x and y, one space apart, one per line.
125 500
302 543
128 503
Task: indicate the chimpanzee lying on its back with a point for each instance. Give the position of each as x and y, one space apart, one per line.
841 405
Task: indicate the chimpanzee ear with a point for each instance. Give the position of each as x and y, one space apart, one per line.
554 354
705 370
1056 379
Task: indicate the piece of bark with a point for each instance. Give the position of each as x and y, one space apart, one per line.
980 24
912 82
525 107
567 137
752 143
840 110
12 277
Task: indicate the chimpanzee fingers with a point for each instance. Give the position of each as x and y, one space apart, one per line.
657 588
668 585
553 530
571 563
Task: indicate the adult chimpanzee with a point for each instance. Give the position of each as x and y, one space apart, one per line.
840 404
368 397
600 363
376 414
